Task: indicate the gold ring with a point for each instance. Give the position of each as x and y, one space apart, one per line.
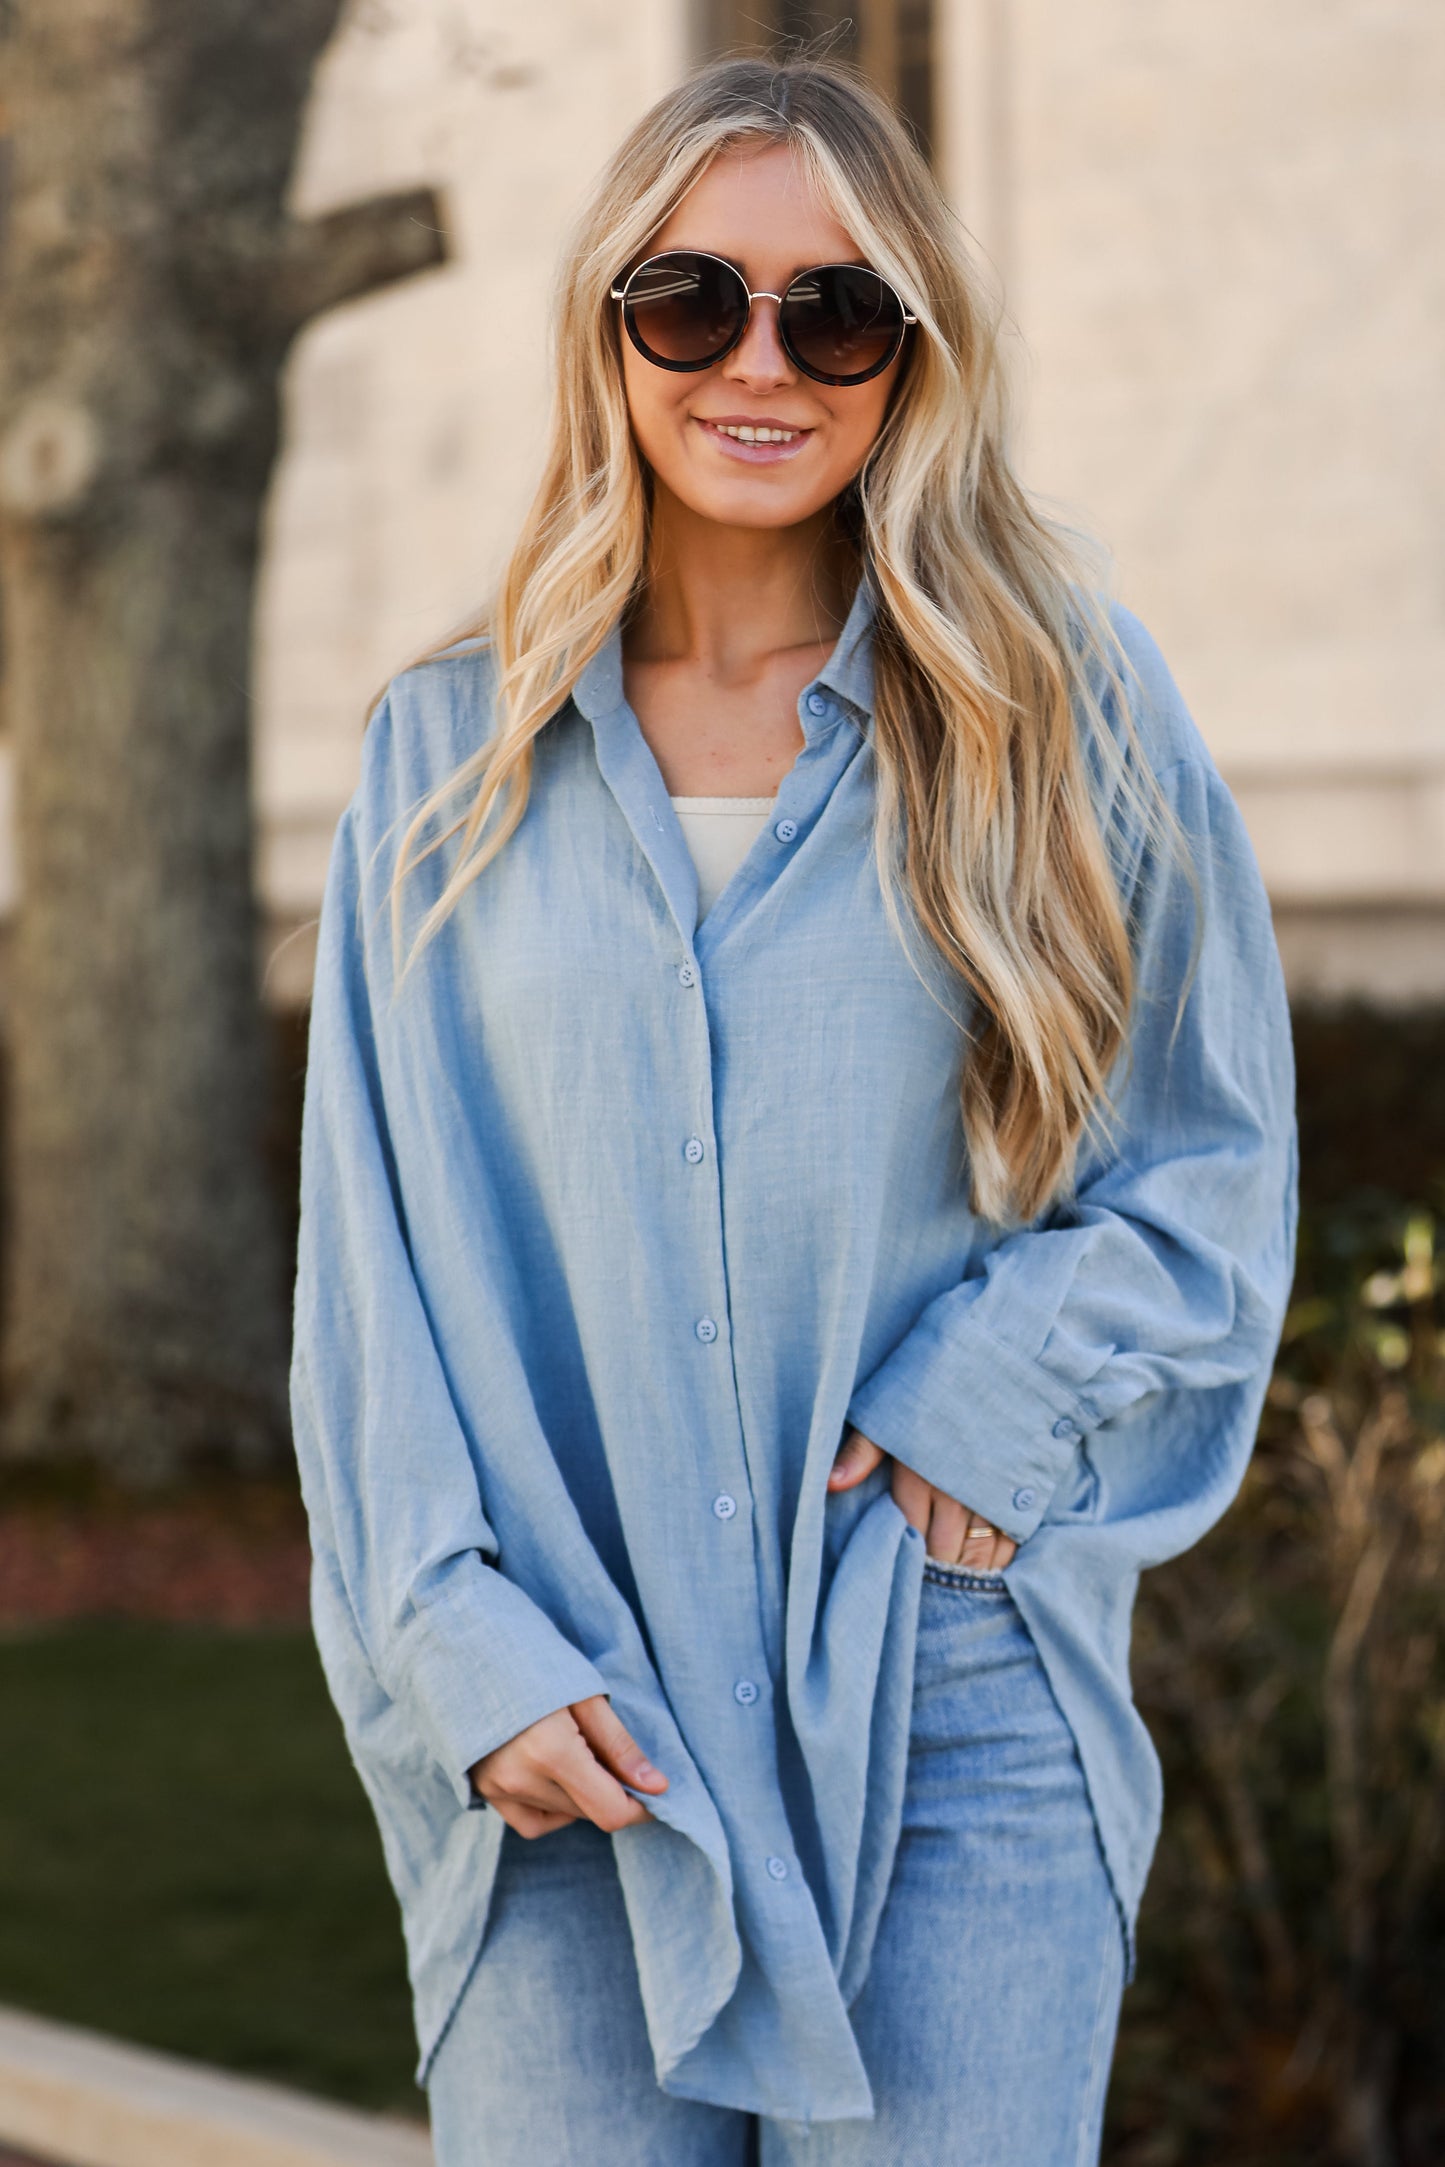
978 1531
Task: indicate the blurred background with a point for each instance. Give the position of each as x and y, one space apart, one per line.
273 299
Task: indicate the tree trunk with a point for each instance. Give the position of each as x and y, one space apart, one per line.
150 286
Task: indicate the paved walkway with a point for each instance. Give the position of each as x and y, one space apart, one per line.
72 2098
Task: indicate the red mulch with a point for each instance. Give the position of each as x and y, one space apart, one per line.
223 1554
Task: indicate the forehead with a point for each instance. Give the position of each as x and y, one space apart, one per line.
759 206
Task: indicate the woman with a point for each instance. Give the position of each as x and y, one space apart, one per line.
756 1316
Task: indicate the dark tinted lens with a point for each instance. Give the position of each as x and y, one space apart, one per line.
684 310
842 322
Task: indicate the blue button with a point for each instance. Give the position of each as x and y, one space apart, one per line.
687 974
745 1692
1065 1428
1024 1498
785 830
706 1329
778 1868
724 1506
692 1150
817 705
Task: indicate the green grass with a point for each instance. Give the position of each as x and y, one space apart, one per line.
187 1858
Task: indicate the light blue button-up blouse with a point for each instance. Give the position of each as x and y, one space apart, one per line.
614 1221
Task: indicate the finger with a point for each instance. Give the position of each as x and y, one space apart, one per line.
523 1770
856 1459
613 1743
991 1552
948 1524
913 1496
593 1790
553 1769
524 1762
533 1788
979 1538
528 1822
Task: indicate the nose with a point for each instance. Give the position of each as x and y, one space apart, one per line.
759 358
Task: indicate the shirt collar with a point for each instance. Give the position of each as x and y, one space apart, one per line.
598 691
847 673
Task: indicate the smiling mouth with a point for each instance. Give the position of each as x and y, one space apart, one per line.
759 443
755 432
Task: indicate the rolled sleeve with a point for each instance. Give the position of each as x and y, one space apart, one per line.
467 1703
1007 1458
1169 1268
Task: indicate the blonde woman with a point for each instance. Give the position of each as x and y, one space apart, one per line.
798 1196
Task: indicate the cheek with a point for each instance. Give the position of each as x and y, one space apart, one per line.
654 403
856 418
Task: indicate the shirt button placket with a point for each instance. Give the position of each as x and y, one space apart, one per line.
694 1150
746 1691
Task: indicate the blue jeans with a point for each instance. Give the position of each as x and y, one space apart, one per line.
988 2018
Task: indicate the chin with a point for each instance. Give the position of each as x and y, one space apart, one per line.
745 504
740 511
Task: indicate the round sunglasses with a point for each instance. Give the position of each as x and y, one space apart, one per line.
840 323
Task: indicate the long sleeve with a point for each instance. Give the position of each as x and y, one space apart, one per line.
392 1491
1170 1267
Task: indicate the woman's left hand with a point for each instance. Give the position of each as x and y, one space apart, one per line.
950 1531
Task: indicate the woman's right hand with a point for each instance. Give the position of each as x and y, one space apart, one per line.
566 1768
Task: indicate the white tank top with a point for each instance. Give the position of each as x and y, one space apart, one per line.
719 834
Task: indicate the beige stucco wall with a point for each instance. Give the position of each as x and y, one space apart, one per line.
1220 235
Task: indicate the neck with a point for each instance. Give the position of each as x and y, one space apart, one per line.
725 599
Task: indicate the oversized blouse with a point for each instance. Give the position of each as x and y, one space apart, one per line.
613 1221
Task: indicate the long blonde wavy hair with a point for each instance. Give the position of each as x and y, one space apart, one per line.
986 630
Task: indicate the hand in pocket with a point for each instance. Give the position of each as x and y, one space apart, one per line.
953 1535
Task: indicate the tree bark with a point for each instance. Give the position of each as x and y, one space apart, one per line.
150 285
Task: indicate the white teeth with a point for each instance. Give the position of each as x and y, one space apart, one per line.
747 435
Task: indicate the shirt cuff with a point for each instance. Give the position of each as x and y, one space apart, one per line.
479 1666
999 1438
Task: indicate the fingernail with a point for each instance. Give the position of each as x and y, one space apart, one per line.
642 1768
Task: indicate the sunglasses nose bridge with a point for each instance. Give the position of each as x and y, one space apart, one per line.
780 361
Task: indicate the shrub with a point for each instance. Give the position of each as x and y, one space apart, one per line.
1290 2003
